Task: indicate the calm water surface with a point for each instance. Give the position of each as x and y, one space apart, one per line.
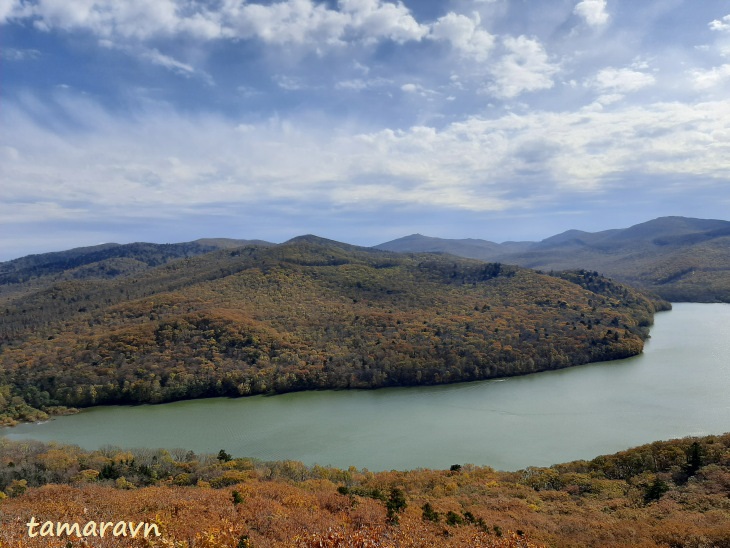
680 386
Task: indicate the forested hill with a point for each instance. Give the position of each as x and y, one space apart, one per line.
102 261
679 258
307 314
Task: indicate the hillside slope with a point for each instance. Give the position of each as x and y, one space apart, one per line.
663 494
103 261
308 314
679 258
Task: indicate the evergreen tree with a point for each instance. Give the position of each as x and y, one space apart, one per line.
395 504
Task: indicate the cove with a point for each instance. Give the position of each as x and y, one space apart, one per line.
679 386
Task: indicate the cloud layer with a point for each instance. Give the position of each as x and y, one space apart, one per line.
169 161
285 22
182 109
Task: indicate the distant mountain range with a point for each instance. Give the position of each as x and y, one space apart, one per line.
679 258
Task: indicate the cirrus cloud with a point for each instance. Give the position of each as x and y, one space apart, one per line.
170 162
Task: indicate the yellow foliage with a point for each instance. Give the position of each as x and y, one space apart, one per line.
85 476
122 483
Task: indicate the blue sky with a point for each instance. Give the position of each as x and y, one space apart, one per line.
357 120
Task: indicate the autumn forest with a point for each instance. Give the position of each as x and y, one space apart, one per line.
152 324
309 314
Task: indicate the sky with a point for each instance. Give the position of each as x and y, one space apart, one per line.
357 120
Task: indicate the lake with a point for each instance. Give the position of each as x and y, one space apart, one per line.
679 386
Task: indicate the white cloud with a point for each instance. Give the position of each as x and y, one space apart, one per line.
356 84
613 80
164 162
20 212
289 22
526 67
137 19
290 84
282 23
721 24
418 89
7 9
154 56
16 54
708 79
376 19
360 84
464 35
593 12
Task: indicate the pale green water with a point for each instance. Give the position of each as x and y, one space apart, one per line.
680 386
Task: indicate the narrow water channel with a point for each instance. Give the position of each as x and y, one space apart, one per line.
679 386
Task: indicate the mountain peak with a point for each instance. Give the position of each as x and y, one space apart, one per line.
312 239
